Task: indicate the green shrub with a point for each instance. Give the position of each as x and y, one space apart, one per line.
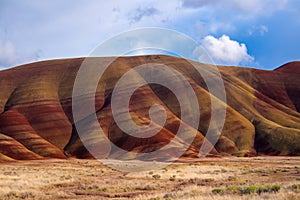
218 191
260 189
155 198
249 189
253 189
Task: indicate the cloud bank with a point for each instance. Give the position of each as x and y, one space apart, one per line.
244 7
37 30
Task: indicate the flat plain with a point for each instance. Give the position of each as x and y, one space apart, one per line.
224 178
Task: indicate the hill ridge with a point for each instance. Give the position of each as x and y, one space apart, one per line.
36 100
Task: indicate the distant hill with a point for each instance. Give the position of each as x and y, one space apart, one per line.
263 110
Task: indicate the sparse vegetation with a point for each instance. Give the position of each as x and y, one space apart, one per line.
218 191
259 189
217 179
172 178
295 187
252 189
147 187
156 176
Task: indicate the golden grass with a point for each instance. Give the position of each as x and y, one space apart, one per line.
82 179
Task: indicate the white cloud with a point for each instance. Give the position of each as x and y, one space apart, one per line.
217 17
73 29
256 6
261 30
8 55
223 51
245 7
143 12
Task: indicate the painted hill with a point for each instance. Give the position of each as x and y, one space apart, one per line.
36 110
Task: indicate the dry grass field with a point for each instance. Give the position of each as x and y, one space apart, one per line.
209 178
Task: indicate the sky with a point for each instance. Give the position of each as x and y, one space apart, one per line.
253 33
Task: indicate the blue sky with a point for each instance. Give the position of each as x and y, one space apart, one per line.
256 33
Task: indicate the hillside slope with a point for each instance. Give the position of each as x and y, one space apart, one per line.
36 121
